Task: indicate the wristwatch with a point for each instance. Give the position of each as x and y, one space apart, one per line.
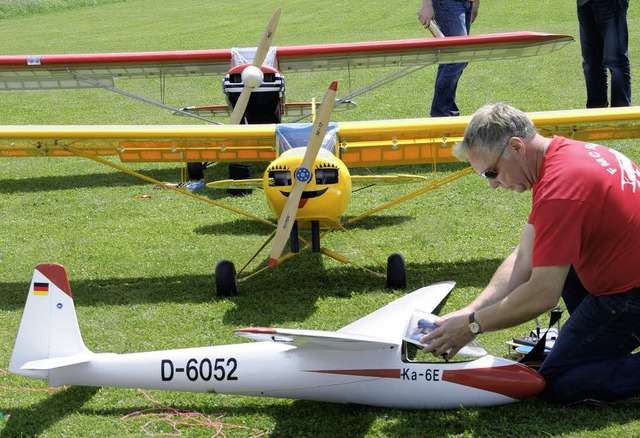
474 327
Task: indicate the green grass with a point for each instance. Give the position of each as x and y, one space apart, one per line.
18 8
141 269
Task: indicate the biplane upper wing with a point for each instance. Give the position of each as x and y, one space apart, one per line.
28 72
360 144
407 52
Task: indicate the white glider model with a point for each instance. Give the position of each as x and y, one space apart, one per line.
366 362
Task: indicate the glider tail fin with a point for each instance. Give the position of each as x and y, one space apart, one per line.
49 327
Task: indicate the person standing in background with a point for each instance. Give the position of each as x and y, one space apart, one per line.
454 17
604 39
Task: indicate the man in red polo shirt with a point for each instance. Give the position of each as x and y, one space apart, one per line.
581 243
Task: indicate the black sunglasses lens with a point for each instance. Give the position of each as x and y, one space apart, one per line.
490 174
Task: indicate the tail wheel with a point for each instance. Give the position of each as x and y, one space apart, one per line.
226 285
396 272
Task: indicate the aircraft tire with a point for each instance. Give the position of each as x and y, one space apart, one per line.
396 272
225 275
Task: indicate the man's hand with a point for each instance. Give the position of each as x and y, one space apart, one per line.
474 10
451 336
425 13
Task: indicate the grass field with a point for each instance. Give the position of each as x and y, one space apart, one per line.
142 269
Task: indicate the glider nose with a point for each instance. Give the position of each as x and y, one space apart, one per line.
513 380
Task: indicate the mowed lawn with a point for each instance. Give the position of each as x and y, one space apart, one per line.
141 268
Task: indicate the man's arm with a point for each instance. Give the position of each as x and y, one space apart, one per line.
536 296
541 293
516 294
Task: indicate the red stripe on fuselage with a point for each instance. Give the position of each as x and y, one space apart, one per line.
516 381
389 373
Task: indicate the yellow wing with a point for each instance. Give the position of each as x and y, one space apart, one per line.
360 144
419 141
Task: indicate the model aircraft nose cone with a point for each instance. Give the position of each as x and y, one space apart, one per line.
516 380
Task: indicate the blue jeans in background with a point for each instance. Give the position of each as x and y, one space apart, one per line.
592 358
454 19
604 39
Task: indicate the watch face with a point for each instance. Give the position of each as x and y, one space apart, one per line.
474 327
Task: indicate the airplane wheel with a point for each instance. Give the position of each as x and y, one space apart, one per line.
396 272
195 171
226 285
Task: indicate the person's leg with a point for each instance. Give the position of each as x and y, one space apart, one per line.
592 359
595 74
615 34
454 19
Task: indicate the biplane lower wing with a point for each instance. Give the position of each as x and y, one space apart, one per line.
360 144
32 72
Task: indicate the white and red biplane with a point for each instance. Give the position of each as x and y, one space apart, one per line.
262 68
366 362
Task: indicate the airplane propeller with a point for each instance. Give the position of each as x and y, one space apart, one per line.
302 174
252 75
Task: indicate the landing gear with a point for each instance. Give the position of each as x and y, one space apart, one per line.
396 272
226 285
195 171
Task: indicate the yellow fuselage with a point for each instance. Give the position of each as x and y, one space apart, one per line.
326 195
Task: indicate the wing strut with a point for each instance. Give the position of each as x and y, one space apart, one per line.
434 185
380 82
165 185
122 92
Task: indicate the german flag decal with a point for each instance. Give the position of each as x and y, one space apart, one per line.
41 289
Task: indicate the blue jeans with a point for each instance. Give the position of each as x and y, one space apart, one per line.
592 358
454 19
604 39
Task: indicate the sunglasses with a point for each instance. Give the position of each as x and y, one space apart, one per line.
492 173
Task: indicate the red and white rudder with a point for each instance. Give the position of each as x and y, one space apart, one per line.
49 335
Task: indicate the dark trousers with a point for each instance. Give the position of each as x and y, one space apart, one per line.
592 358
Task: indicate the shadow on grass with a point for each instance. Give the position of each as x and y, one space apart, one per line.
531 418
86 181
303 281
36 419
71 182
252 227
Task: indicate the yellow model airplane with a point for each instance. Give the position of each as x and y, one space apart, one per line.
322 190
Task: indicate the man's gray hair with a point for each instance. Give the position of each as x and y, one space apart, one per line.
491 127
